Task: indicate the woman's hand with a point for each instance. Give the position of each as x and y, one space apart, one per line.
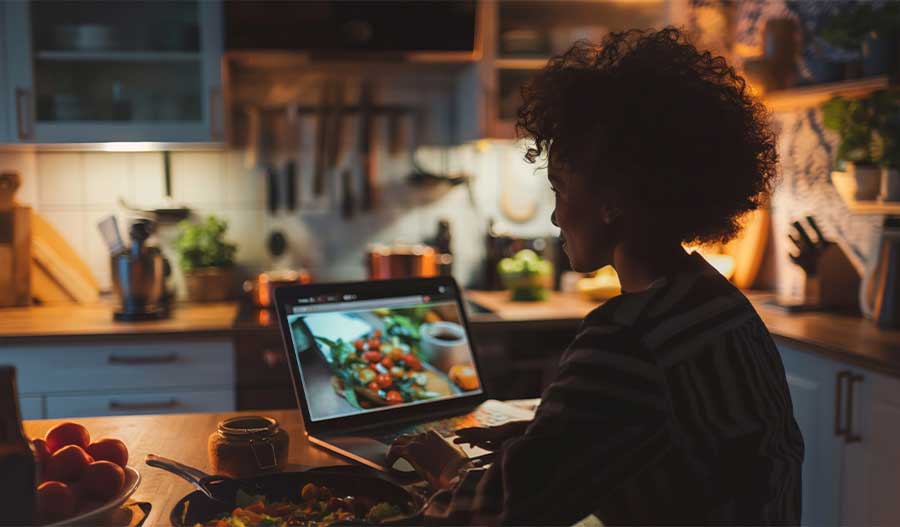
491 437
435 459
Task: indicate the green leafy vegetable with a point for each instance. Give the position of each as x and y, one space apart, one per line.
243 499
203 244
383 511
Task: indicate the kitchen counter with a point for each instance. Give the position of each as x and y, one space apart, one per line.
74 322
842 337
183 438
846 338
559 308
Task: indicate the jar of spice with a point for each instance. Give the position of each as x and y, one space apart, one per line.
246 446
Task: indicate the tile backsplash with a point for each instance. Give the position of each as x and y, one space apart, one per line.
75 190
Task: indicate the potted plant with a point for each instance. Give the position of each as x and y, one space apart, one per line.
888 110
861 147
206 259
867 32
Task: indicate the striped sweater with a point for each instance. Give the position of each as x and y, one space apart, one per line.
670 407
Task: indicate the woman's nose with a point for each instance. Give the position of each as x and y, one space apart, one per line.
553 218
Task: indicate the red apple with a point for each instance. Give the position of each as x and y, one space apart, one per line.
109 449
42 456
55 501
103 480
65 434
69 463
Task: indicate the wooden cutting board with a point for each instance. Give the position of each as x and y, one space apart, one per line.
62 272
15 256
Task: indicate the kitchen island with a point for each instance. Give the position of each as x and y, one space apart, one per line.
182 438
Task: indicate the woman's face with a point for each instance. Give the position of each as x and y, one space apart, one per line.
583 218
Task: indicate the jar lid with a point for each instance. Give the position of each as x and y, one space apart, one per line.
247 427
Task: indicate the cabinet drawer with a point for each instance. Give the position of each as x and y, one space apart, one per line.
272 398
118 366
31 406
140 403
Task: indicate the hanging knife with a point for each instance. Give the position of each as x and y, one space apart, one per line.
272 183
322 115
290 184
365 144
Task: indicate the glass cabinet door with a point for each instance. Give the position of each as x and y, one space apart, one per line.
131 70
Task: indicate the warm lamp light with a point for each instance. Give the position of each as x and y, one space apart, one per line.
724 263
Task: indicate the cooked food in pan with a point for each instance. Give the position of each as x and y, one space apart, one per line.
315 506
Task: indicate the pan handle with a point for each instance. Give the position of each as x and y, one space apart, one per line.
194 476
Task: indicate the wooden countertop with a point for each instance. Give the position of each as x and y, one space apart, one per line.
847 338
559 306
47 323
842 337
182 438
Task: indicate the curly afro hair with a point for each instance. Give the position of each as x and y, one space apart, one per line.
673 131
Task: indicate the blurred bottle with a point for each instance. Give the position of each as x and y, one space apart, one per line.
443 241
18 468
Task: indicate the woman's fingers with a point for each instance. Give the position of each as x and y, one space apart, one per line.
399 448
474 433
481 437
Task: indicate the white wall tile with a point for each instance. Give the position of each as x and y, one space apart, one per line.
245 228
244 187
148 178
60 180
107 177
198 177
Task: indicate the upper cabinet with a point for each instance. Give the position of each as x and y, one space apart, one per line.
519 37
5 136
99 71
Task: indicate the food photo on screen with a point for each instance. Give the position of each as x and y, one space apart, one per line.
355 361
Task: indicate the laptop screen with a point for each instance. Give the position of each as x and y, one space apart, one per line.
361 355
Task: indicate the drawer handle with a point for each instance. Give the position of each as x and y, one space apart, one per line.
118 406
851 436
141 360
24 115
839 429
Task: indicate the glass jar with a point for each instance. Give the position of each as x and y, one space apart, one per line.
246 446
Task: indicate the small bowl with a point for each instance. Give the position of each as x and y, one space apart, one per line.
103 514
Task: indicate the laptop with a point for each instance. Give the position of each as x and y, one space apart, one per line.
371 361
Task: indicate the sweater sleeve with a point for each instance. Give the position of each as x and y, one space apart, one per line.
601 424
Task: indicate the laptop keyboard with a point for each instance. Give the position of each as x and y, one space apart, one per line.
447 427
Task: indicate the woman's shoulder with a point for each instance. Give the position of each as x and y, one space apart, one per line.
680 307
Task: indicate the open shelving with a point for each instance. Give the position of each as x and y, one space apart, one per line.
845 187
813 96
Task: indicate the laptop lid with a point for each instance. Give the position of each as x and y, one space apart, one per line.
368 353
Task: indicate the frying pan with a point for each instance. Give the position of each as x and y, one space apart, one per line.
200 506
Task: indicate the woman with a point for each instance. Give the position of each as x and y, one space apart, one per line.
671 405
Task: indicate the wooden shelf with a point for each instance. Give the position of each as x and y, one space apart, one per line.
119 56
845 186
811 96
520 63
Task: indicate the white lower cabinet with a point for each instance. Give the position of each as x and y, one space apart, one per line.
31 407
872 457
162 402
155 376
850 419
812 382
